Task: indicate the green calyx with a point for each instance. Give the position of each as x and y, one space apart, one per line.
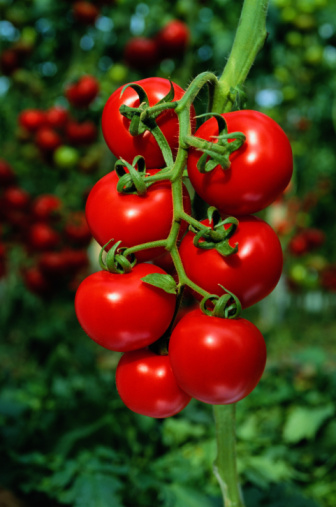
131 181
216 153
115 261
143 117
226 306
218 236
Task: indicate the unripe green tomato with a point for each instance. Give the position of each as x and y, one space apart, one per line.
304 22
294 38
66 157
298 273
288 14
314 55
282 74
289 93
28 35
118 73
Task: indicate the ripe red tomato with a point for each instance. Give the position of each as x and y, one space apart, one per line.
56 117
173 39
81 132
217 361
260 169
83 92
85 12
141 53
115 126
36 282
47 139
146 384
7 175
135 219
43 237
46 206
32 119
120 311
76 229
16 198
251 273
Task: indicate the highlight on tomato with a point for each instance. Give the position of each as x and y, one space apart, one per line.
147 385
120 311
216 360
260 169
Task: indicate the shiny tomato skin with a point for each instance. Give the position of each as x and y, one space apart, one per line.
131 218
121 312
215 360
115 126
251 273
146 384
260 170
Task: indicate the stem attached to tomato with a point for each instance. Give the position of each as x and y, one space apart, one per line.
249 40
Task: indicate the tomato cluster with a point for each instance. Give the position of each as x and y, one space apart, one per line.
54 238
131 306
56 132
170 42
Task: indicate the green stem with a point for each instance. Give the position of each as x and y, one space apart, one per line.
225 466
249 40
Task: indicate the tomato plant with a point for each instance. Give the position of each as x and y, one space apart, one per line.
259 170
216 360
147 385
120 311
251 273
116 127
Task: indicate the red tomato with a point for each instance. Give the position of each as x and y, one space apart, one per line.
141 53
135 219
16 198
7 175
115 126
81 133
36 282
217 361
76 229
46 207
56 117
251 273
32 119
85 12
9 61
260 170
42 237
146 384
120 311
83 92
48 139
173 39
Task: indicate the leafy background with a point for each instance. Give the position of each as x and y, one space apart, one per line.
66 438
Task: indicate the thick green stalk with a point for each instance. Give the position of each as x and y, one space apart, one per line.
225 465
249 40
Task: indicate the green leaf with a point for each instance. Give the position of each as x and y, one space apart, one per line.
98 490
181 496
164 282
304 422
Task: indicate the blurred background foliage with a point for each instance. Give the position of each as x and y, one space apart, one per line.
66 438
